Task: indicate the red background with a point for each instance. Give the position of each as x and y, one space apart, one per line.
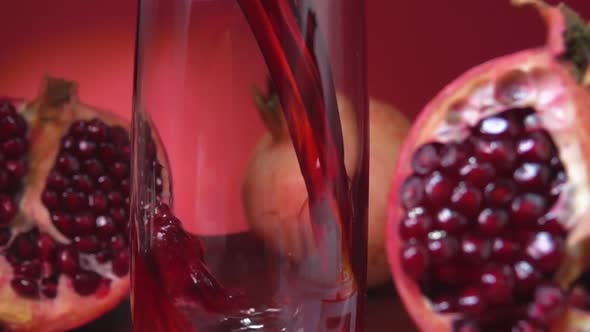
415 47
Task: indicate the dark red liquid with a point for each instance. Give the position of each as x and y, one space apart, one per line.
242 264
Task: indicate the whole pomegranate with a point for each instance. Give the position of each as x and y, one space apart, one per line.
488 214
64 207
275 195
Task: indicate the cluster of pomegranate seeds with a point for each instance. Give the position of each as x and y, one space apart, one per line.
86 195
13 148
478 233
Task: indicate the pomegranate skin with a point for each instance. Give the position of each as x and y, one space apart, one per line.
70 292
563 103
275 195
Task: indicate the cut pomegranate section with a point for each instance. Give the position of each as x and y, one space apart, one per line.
64 206
487 221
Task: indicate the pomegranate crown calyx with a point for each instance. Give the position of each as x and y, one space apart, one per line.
269 109
568 36
576 39
57 91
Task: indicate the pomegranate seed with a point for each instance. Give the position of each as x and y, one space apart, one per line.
25 287
117 242
6 108
551 223
450 221
107 153
24 247
454 155
84 224
466 199
526 277
437 189
45 247
548 304
13 147
411 192
125 154
15 168
4 179
87 244
442 249
499 153
83 183
470 301
49 288
414 259
50 199
28 269
96 130
448 274
73 200
121 263
7 209
97 201
94 168
532 122
85 149
497 127
527 208
497 284
105 183
532 176
536 147
499 193
557 185
426 158
104 256
8 126
78 129
68 164
125 186
67 260
443 304
119 135
68 144
5 236
119 170
492 221
57 182
415 225
105 226
119 216
546 251
64 223
504 250
478 174
474 249
86 282
549 296
115 198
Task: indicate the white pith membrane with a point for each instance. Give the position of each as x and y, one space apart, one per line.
527 80
69 309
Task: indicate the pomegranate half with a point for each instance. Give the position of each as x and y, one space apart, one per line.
64 210
488 213
275 195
